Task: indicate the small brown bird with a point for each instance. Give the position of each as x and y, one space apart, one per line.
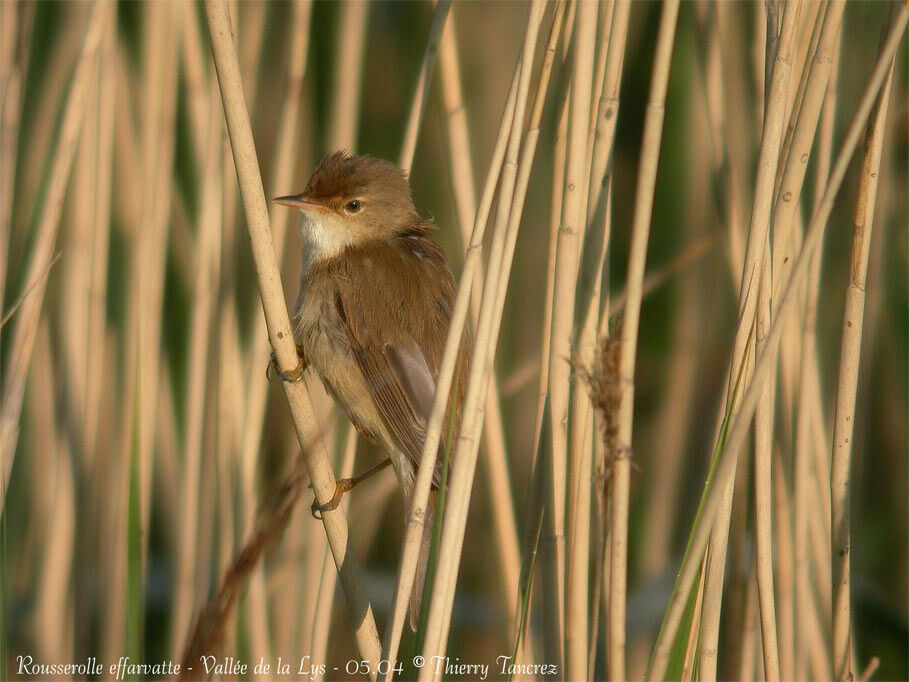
372 316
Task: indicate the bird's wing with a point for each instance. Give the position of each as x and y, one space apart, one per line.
397 374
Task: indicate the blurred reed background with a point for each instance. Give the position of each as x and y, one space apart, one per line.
691 155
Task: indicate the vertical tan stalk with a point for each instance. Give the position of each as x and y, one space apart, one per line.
514 214
809 111
204 291
607 111
23 341
348 73
637 256
748 299
53 610
812 501
501 498
10 103
750 633
76 271
551 544
225 449
846 388
725 179
763 482
9 138
251 418
158 99
194 71
739 431
409 145
464 458
414 528
784 574
97 304
322 620
287 151
278 321
571 236
585 472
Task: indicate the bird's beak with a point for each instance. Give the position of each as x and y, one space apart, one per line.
297 201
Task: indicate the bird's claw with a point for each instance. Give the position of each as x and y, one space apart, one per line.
342 486
293 376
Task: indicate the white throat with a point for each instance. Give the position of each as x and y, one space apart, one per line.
325 235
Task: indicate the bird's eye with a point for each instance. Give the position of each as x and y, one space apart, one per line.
353 206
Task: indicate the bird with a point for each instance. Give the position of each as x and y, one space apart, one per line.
372 317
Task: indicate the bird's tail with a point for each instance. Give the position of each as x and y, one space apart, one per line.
416 595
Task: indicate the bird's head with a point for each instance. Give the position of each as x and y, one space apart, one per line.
350 200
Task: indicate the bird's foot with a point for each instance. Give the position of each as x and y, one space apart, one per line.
342 486
293 376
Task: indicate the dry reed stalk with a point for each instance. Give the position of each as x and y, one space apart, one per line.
785 583
551 544
725 179
605 116
763 457
11 84
510 198
807 503
571 237
48 223
750 633
525 164
773 121
287 574
127 166
421 94
249 18
733 511
812 21
348 74
420 496
225 449
870 669
313 560
847 386
793 174
158 103
253 412
640 235
76 242
204 292
100 247
39 132
115 605
762 478
600 140
53 608
688 672
8 30
501 498
282 176
194 71
760 75
280 334
671 425
322 618
739 430
599 479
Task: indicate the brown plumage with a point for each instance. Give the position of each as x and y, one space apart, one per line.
372 316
